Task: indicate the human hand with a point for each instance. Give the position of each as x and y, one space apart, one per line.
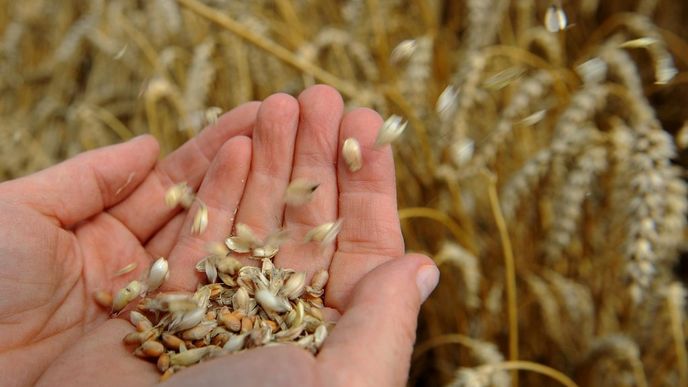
372 341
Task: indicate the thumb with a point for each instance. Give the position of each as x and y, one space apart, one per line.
373 340
87 184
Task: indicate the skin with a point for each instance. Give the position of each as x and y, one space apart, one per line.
68 228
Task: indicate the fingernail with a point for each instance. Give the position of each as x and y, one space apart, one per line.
427 278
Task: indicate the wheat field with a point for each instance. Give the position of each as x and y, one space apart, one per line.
543 167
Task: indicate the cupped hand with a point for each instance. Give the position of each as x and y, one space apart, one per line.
70 227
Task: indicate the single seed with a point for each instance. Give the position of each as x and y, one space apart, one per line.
200 220
237 245
227 279
179 194
126 269
212 114
665 70
291 333
150 334
246 324
210 270
217 249
533 118
320 279
245 232
325 233
132 338
171 341
315 299
235 343
639 43
271 246
126 295
152 348
461 151
592 71
391 129
555 19
403 51
190 357
299 192
272 325
271 302
240 299
136 317
503 78
187 320
143 326
159 273
167 374
294 286
446 102
119 54
200 331
163 362
317 313
230 320
320 335
228 265
220 339
103 298
351 150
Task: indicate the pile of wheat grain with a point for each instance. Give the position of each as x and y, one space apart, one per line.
543 165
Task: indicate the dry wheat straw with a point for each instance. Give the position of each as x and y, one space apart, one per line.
509 272
676 302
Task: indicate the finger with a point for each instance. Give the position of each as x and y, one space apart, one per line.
315 159
370 233
145 211
81 187
221 192
384 298
262 205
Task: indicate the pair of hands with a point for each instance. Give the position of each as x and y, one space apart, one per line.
68 228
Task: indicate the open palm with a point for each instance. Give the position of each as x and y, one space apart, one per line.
70 227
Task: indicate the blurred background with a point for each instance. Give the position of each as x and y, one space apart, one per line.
543 166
